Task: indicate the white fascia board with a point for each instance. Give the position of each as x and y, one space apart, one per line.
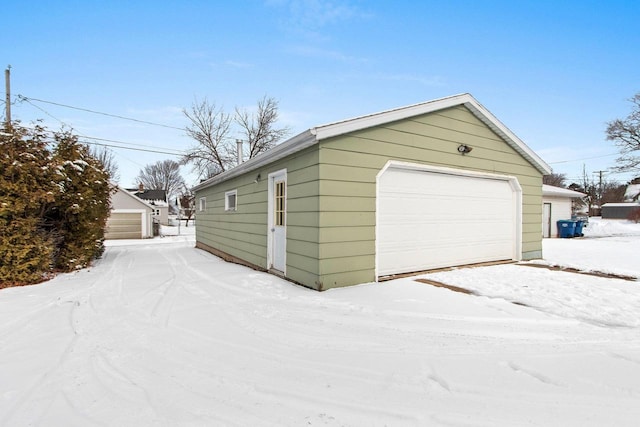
371 120
388 116
551 191
505 133
293 145
318 133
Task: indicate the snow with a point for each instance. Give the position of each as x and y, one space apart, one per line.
632 192
550 190
161 333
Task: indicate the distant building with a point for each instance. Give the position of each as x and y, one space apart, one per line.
158 201
558 203
632 194
618 210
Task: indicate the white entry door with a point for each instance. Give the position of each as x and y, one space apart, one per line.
277 222
432 217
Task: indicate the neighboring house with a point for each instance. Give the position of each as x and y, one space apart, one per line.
618 210
632 193
157 199
558 203
436 184
130 218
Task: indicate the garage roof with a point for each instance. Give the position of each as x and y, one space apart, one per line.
319 133
550 190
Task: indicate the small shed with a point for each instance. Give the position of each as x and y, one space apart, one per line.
618 210
130 217
436 184
558 203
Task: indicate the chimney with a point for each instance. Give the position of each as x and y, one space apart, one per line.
141 187
239 144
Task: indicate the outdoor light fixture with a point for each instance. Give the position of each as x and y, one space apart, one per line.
464 149
257 178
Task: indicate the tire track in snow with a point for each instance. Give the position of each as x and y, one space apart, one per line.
27 397
533 374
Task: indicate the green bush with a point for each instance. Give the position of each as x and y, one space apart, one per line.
80 212
53 205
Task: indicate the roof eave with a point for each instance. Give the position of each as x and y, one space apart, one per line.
466 99
318 133
505 133
293 145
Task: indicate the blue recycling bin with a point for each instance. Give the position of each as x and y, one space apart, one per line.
578 231
566 228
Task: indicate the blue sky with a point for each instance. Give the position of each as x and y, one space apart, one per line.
553 71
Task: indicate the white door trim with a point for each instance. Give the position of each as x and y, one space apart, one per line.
513 182
547 214
273 177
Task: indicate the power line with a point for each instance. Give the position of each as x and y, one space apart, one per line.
25 98
148 147
43 110
585 158
131 148
159 150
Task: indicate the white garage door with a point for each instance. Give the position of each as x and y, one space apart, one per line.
431 217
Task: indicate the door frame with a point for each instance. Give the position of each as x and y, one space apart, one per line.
512 180
547 227
272 178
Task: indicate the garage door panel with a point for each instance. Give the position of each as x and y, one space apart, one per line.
124 225
431 219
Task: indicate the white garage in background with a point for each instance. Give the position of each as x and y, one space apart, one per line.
557 204
130 217
431 217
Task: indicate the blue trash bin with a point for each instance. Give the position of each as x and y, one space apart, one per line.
578 231
566 228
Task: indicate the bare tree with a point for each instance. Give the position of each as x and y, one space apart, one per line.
612 192
162 175
107 160
587 185
187 204
258 128
210 127
626 135
555 179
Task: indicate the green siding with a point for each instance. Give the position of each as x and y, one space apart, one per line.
349 165
243 233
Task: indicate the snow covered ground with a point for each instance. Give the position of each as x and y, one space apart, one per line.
159 333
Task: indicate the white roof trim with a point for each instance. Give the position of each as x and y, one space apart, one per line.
621 205
318 133
553 191
293 145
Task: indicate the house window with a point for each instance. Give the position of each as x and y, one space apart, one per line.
231 200
280 200
202 204
156 212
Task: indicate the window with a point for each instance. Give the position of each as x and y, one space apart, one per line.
231 200
202 204
279 195
156 212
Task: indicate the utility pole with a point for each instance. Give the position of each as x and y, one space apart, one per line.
600 186
7 84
